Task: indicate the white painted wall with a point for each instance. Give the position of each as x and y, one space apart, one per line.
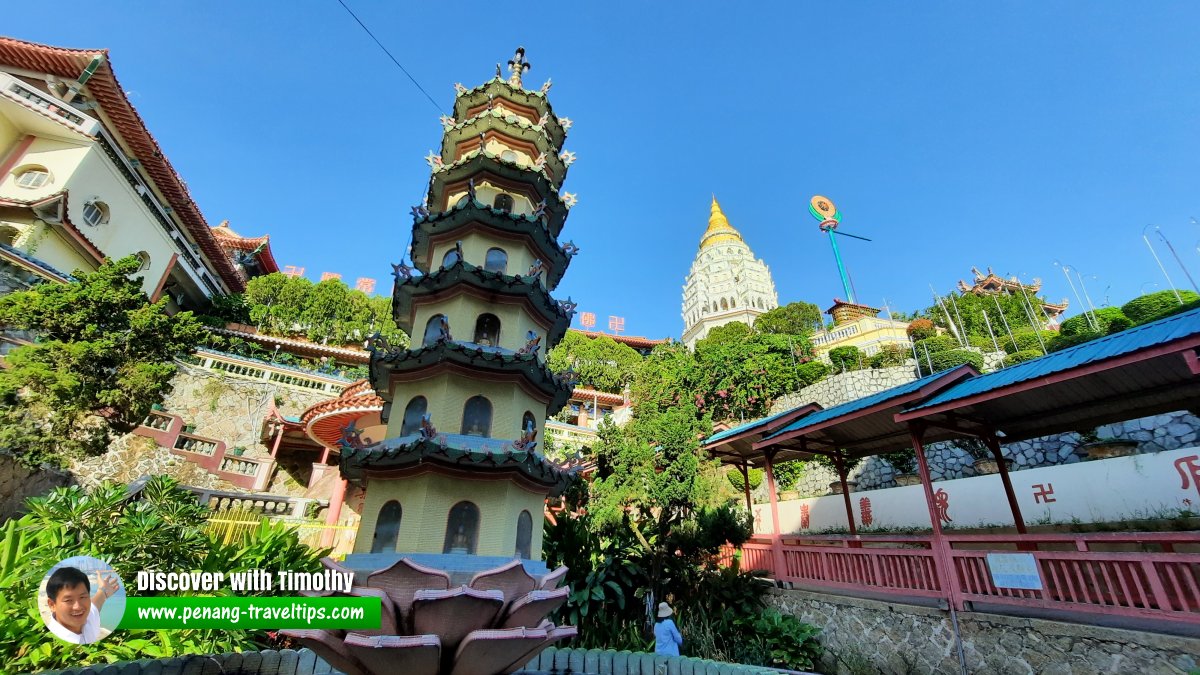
1139 486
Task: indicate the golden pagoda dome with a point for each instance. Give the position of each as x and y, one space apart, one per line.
719 230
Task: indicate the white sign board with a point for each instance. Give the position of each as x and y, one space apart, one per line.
1014 570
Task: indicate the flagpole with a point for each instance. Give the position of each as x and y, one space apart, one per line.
1170 284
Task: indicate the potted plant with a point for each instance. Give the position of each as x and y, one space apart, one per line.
835 487
1096 447
157 406
905 463
239 450
189 428
984 463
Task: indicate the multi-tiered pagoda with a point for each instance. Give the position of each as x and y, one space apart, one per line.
458 483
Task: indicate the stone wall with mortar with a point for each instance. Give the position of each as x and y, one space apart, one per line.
220 407
947 461
867 636
18 482
232 409
131 457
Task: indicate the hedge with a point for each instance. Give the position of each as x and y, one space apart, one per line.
739 483
1177 309
846 358
1155 305
1079 324
890 355
950 358
1026 340
935 344
1061 342
1023 355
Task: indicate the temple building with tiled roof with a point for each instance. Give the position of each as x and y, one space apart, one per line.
994 284
726 283
82 179
251 256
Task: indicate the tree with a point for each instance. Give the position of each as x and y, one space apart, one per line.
328 312
102 359
600 362
739 371
794 318
846 358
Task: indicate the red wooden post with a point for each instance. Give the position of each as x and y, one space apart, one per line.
776 527
994 445
278 438
941 549
840 463
746 478
335 512
325 456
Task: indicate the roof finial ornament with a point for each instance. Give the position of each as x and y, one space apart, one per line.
518 65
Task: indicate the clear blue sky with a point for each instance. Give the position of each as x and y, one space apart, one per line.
953 134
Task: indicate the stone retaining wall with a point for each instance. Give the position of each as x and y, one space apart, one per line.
18 482
867 636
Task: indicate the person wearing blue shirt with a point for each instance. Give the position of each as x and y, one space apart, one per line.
667 639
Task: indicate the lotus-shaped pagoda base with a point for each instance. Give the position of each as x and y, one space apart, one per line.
494 624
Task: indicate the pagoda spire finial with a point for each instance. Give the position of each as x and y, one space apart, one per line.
518 65
719 230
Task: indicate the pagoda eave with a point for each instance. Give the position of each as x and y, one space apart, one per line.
453 451
496 88
469 361
464 277
443 226
483 167
511 127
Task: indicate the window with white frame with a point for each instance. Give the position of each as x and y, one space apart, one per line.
95 213
33 177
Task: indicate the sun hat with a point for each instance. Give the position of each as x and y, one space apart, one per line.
664 610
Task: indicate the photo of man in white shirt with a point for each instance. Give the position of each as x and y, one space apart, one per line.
74 609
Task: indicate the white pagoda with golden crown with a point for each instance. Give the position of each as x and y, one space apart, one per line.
726 283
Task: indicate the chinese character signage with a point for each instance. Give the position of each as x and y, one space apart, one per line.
365 285
326 276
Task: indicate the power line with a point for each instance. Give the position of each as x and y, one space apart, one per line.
389 54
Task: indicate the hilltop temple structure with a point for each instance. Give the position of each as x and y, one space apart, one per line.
993 284
726 283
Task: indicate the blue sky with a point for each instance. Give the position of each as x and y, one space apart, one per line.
953 134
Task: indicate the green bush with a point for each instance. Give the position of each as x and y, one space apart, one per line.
921 329
1079 324
949 359
811 373
890 355
1060 342
935 344
981 342
1118 324
1026 339
1023 355
846 358
739 483
1177 309
1155 305
786 475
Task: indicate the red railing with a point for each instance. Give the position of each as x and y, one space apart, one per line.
1132 574
1105 573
